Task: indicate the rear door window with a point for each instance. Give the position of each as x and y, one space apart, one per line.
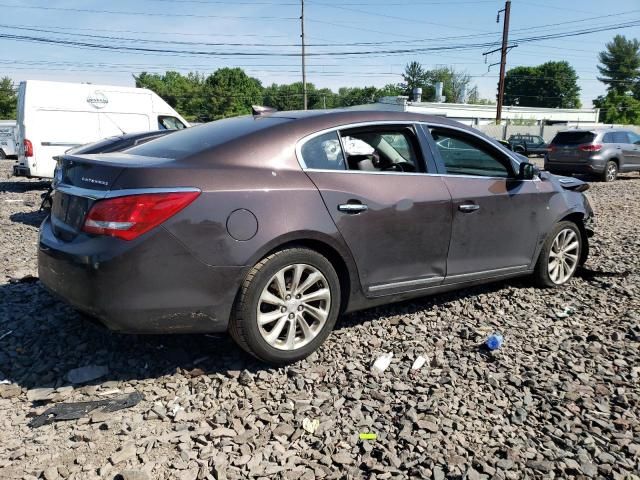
573 138
608 138
382 149
620 137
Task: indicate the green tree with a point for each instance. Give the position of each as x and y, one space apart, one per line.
620 66
231 92
618 108
8 99
550 85
349 96
185 93
414 76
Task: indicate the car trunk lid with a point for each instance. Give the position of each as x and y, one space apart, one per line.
80 181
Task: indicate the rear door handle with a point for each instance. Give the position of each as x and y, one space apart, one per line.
468 207
353 207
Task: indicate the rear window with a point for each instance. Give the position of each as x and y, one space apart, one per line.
193 140
573 138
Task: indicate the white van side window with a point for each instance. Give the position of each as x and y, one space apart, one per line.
166 122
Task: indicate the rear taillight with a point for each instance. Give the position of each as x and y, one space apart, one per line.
130 216
591 147
551 148
28 148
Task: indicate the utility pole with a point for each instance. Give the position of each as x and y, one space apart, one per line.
503 58
304 69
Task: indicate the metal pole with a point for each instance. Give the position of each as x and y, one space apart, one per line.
304 69
503 60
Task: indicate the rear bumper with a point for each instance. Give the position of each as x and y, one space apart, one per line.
568 167
21 171
150 285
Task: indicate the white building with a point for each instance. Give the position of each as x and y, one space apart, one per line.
478 115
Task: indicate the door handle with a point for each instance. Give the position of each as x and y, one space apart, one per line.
353 207
468 207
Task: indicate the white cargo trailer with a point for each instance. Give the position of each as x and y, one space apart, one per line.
55 116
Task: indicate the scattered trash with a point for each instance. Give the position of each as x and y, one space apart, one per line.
310 425
6 334
5 382
368 436
76 410
567 312
418 363
86 374
382 362
494 341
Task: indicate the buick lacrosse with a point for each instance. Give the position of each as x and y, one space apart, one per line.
270 226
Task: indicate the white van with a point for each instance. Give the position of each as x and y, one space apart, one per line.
55 116
7 139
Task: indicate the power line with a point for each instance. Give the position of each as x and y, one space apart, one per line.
147 14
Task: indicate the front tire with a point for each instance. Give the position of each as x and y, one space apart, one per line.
560 256
287 306
610 171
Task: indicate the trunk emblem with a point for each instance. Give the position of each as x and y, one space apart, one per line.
96 181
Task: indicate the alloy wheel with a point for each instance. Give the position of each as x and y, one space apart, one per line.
293 307
563 257
611 172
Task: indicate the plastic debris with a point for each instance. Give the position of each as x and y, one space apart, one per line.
382 362
86 374
418 363
368 436
494 341
5 382
6 334
310 425
76 410
567 312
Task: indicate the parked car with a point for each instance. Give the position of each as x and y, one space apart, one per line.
601 152
270 226
528 144
7 139
55 116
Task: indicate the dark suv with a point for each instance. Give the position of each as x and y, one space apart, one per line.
528 144
598 152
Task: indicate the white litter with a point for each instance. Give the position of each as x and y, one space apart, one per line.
382 362
109 392
418 363
5 382
310 425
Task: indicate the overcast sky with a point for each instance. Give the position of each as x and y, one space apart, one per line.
390 25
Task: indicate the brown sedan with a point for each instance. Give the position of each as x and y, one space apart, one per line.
270 226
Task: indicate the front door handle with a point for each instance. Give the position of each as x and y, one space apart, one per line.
353 207
468 207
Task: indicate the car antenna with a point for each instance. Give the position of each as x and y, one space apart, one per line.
260 110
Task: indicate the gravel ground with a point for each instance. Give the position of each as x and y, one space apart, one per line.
560 399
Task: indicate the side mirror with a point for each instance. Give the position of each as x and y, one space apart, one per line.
527 171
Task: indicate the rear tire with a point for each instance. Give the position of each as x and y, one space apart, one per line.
560 256
610 171
271 319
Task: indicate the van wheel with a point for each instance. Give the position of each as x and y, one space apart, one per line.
287 306
560 256
610 172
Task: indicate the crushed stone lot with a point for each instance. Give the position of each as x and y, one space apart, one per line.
560 399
